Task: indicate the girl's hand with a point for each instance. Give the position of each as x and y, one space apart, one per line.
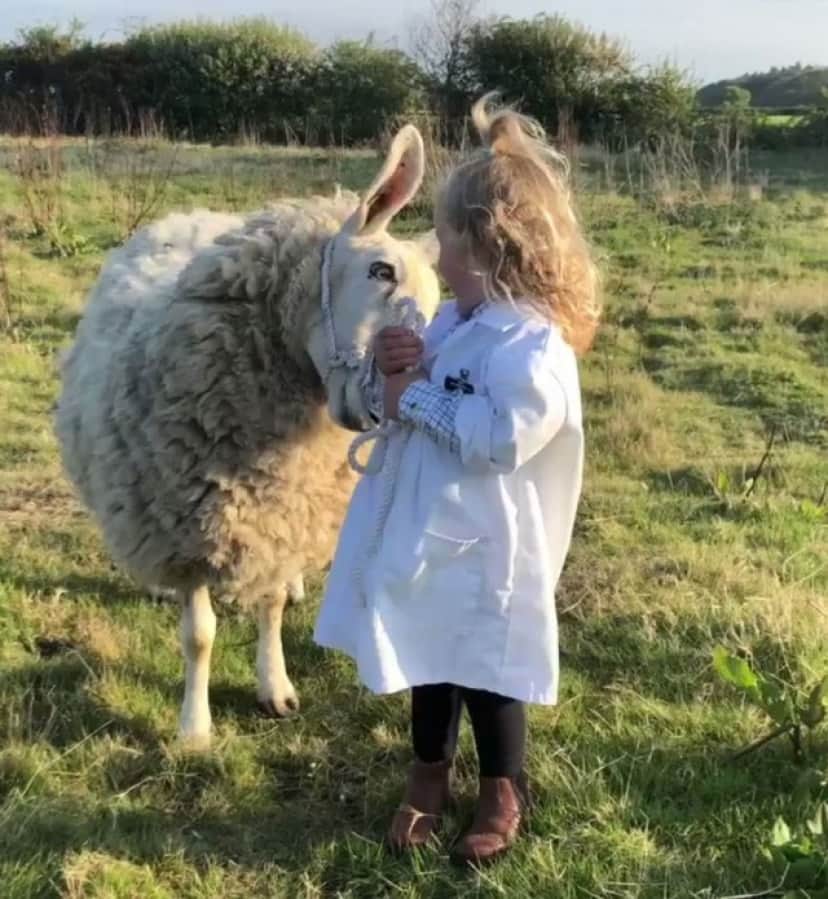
395 387
397 350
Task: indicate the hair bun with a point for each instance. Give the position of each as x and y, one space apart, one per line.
505 132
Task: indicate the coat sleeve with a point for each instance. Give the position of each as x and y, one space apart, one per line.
523 408
432 410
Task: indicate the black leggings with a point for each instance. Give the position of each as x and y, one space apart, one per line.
499 726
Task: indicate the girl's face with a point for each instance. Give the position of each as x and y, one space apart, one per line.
454 268
451 263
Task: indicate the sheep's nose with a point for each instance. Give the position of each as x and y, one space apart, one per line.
353 422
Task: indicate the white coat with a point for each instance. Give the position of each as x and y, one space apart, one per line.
462 589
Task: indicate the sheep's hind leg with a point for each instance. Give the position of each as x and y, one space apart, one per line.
277 696
198 630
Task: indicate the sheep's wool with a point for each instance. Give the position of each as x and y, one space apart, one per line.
193 426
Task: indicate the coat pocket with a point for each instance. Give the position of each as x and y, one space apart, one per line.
442 546
446 570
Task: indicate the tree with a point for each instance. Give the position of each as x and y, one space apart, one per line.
362 88
737 113
439 43
214 80
733 123
49 42
812 130
559 71
737 97
650 104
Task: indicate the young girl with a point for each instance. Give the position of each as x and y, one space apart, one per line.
456 600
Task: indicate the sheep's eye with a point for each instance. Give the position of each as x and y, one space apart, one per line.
382 271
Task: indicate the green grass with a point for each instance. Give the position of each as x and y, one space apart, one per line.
780 121
715 335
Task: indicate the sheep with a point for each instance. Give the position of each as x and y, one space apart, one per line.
207 398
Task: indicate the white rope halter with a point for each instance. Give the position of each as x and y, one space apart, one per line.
354 356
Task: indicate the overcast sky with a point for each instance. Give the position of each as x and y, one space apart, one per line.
712 38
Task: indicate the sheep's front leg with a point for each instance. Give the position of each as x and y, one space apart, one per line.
277 697
296 589
198 630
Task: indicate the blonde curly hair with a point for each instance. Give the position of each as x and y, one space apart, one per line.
511 206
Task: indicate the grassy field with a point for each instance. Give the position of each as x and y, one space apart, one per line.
714 349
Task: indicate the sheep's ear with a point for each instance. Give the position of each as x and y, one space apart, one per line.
397 183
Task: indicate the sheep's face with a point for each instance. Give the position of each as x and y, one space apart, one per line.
370 271
369 274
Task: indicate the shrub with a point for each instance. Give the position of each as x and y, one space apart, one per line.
645 106
359 87
560 72
214 81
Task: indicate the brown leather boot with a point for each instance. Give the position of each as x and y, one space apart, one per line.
426 795
497 821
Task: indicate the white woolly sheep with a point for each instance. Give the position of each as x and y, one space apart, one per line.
196 412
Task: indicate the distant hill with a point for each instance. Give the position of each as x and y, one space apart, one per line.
793 86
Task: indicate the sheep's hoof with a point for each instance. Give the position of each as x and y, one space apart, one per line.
195 727
162 595
279 708
194 742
